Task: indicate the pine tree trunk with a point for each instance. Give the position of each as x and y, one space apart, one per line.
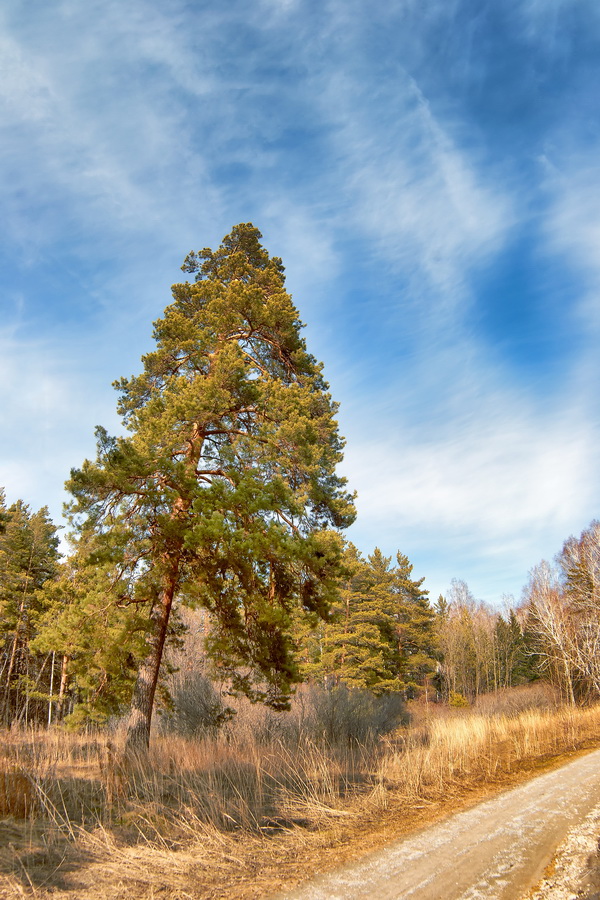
142 703
51 688
62 690
15 646
11 664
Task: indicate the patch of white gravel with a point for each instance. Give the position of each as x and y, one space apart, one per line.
574 873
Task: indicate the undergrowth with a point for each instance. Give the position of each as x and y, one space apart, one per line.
259 776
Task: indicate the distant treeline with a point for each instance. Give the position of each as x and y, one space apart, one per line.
222 496
70 647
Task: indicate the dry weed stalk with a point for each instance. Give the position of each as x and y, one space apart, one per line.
474 748
197 795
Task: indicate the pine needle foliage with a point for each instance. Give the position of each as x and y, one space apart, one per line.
224 494
381 634
28 560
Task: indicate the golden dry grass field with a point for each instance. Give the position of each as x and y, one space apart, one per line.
249 812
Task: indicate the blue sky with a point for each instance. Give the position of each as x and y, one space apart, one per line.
429 173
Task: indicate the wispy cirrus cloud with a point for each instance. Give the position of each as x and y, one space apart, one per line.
418 195
479 493
50 406
572 226
391 155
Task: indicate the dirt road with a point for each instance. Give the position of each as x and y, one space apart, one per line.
495 851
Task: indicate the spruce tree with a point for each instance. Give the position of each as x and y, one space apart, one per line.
416 625
359 646
224 493
381 636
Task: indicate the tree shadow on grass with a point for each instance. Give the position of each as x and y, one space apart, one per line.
35 859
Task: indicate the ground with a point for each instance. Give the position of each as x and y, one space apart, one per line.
574 873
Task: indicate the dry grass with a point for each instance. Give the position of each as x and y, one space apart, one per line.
474 748
241 814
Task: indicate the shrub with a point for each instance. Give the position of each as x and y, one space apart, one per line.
194 707
342 715
457 700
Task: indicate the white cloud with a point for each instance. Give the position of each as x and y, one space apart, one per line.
483 491
543 19
496 479
88 134
24 92
51 400
412 191
572 226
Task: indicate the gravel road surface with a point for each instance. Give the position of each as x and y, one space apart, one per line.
497 850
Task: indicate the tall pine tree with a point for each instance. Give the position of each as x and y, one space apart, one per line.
95 635
225 491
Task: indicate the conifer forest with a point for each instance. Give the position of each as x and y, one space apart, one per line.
208 539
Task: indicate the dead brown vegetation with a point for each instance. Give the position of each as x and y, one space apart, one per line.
248 811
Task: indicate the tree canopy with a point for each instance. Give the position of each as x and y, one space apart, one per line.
28 560
380 636
224 493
